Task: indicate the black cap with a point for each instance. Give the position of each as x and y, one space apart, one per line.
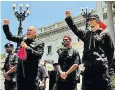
93 16
8 45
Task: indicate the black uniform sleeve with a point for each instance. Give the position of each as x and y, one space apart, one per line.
9 35
15 60
109 48
80 33
77 58
6 61
4 65
59 62
37 50
59 51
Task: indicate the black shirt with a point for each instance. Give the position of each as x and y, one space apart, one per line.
11 59
68 57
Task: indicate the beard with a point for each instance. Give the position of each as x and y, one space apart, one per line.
9 51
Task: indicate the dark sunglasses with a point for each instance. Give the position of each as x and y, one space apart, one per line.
65 39
8 47
29 30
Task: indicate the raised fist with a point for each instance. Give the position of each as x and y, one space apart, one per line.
68 13
6 22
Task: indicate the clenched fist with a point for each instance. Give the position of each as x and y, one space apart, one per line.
23 44
6 22
68 13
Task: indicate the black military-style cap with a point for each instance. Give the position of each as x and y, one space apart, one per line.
93 16
8 45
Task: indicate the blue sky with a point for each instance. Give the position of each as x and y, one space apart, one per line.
42 13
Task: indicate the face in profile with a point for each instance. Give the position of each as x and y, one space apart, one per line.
31 32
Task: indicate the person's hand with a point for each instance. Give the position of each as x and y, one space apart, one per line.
6 21
23 44
81 67
6 76
68 13
42 86
63 75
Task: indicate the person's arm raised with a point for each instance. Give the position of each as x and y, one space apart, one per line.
80 33
8 34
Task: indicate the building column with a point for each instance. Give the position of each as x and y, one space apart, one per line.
99 9
110 20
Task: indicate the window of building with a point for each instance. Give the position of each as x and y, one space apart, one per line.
49 49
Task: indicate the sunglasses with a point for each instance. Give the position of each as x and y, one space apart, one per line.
29 30
65 39
8 47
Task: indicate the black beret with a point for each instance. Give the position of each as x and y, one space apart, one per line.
93 16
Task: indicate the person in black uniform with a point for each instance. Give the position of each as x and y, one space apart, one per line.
10 61
42 76
97 55
112 74
27 69
68 62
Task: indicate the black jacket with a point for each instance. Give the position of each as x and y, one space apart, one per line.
67 57
34 51
99 40
11 59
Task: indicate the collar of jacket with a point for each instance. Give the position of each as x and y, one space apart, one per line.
99 30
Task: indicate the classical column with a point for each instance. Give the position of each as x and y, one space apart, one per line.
110 20
99 9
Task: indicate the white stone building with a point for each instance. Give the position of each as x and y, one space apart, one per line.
53 34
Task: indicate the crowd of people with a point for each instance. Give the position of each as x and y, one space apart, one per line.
22 70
